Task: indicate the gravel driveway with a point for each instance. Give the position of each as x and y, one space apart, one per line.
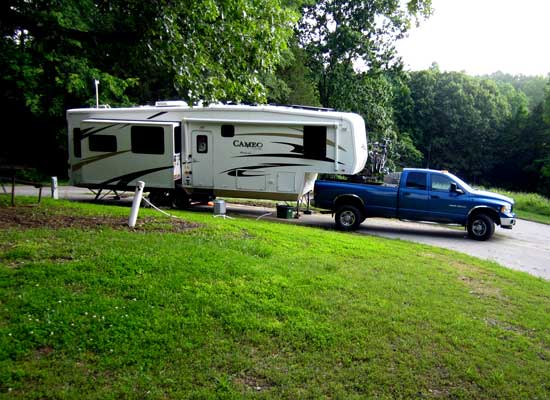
525 248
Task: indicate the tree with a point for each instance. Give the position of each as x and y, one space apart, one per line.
51 51
457 121
532 86
360 33
350 47
293 81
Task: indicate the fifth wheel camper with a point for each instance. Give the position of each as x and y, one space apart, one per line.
199 153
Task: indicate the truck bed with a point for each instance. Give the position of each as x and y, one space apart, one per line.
381 199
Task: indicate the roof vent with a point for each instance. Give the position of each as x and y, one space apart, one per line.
171 103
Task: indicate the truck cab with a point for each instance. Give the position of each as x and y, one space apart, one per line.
420 195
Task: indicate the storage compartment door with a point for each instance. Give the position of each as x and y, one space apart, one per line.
286 182
251 180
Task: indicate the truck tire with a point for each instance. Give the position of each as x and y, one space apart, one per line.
348 218
481 227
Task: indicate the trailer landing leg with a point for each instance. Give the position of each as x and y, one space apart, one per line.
307 211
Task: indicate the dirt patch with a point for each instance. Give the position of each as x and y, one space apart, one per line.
29 217
253 382
43 352
480 288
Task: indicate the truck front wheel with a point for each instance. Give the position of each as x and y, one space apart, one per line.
348 218
481 227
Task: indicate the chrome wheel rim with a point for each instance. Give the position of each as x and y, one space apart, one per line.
479 228
347 218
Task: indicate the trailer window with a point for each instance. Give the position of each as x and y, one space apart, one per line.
228 130
102 143
77 142
315 142
202 144
147 139
416 180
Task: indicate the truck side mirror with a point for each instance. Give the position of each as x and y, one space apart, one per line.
456 189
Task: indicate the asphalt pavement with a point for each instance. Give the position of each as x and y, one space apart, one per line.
525 248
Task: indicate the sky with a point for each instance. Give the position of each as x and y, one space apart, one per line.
482 37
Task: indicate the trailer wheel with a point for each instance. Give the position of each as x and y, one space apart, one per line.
161 198
481 227
348 218
181 201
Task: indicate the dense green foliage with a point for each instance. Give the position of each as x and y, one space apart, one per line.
479 128
350 46
533 87
243 309
52 51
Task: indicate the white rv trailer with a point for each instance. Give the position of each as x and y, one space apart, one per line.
198 153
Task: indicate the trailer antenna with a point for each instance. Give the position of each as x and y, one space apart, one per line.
96 82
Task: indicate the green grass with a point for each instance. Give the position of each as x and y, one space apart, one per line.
529 206
255 309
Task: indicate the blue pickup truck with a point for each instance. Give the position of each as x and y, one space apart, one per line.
420 195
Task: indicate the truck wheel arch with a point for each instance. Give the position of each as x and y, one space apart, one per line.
348 200
491 213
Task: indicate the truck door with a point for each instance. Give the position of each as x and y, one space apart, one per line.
445 205
202 159
414 197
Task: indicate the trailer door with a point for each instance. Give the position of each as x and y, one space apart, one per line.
203 165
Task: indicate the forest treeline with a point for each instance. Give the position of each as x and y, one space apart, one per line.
339 54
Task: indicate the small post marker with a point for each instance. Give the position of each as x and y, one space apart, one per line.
135 204
55 194
96 83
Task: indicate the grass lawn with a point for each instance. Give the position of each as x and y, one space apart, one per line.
214 308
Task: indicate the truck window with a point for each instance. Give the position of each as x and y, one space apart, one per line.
147 139
315 142
441 183
102 143
416 180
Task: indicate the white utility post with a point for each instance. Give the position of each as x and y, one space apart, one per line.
135 204
55 195
96 82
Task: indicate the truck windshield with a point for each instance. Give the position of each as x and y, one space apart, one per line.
462 184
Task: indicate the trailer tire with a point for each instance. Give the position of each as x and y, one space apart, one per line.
348 218
181 201
481 227
161 198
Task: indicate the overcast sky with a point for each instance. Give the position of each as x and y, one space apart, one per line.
481 37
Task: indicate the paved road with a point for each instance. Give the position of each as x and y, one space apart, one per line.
525 248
